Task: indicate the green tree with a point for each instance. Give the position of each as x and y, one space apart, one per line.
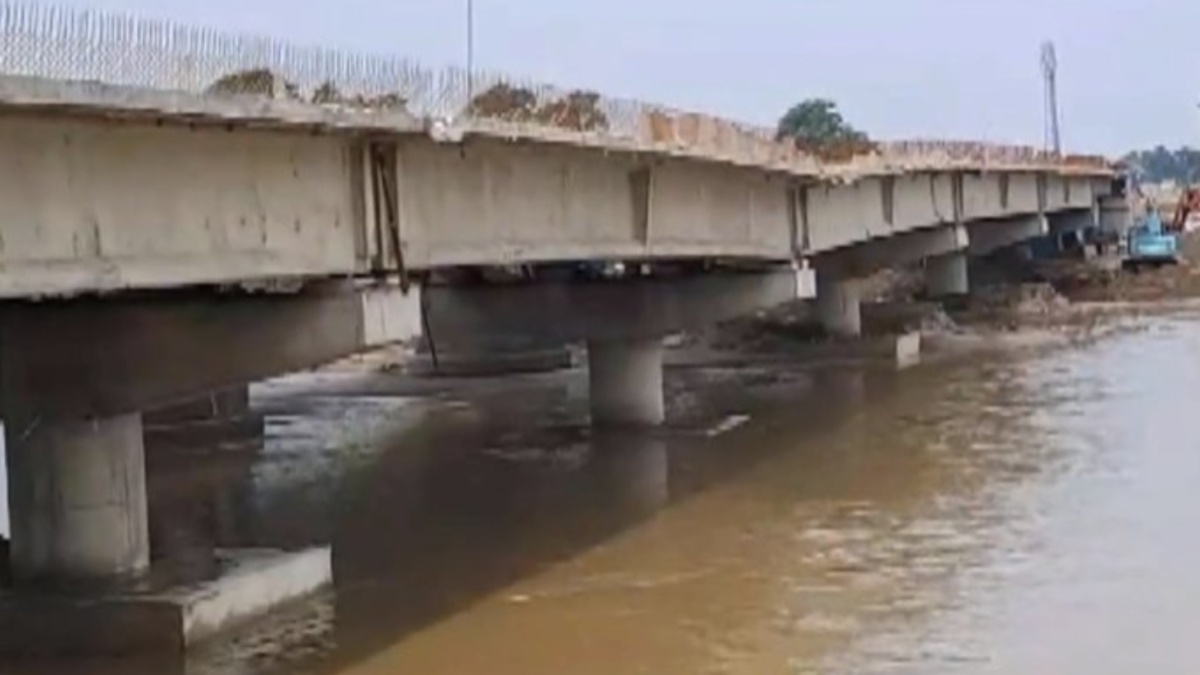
817 121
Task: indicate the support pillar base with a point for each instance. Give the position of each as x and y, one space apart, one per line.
77 501
839 307
625 382
947 276
254 583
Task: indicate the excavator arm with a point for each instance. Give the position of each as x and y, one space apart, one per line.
1189 203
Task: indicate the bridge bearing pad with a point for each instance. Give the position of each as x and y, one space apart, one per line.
254 582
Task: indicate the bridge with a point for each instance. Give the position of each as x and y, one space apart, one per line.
183 211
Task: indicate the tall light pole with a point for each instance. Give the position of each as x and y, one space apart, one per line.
470 50
1050 77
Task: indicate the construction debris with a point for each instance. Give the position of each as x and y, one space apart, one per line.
578 110
264 82
504 102
256 81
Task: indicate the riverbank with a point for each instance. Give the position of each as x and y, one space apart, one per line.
1028 305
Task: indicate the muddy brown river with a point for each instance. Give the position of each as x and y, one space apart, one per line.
1010 515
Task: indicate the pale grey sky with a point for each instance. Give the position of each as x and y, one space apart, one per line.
1129 70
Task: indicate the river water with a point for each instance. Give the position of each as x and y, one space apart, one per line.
1005 515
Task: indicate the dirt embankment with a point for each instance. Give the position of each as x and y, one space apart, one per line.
1060 301
1082 282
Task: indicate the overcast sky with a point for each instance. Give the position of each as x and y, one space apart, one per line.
1129 70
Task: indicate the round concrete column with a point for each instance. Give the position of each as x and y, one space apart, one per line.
946 275
625 382
839 307
77 496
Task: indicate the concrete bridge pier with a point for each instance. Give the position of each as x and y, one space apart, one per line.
838 294
839 307
625 381
75 379
77 501
1070 227
622 321
946 275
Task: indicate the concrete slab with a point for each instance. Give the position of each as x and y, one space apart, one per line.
908 350
254 583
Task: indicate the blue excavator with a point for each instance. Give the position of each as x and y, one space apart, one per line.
1150 243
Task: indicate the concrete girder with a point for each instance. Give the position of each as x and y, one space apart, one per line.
104 357
992 235
487 202
1073 220
1065 192
89 204
872 255
607 310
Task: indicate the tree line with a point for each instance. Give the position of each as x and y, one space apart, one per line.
1159 164
818 123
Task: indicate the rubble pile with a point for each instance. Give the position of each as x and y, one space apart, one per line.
264 82
504 102
577 110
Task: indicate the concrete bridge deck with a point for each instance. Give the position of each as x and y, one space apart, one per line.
108 187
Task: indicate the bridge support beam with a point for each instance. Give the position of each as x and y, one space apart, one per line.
77 498
1073 220
946 275
622 322
839 305
988 236
625 382
86 358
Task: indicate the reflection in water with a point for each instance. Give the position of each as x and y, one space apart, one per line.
1010 516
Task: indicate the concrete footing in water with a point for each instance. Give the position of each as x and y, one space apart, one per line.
839 306
253 583
908 349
